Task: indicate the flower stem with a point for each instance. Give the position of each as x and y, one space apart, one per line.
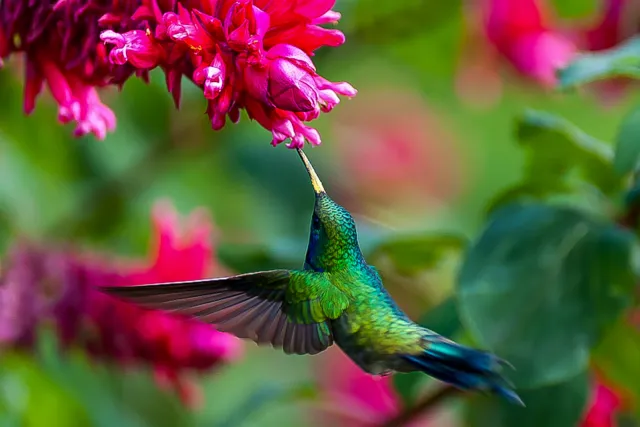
428 403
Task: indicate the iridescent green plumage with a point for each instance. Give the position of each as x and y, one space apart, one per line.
336 297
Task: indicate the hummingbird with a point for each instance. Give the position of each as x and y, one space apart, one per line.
336 297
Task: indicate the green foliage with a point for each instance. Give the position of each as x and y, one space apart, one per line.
617 357
622 60
627 152
416 253
542 284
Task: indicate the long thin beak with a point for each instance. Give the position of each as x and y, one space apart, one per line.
315 181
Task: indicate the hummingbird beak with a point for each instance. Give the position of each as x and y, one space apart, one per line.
315 181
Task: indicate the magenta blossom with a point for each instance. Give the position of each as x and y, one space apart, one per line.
43 286
604 405
619 20
245 54
522 31
357 399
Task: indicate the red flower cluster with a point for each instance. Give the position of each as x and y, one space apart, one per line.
251 54
245 54
59 286
61 48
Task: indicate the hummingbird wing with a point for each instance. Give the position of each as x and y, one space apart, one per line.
287 309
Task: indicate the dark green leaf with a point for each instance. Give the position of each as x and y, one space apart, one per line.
558 405
541 286
416 253
444 320
627 152
617 357
622 60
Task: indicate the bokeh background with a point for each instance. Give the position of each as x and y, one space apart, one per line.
424 146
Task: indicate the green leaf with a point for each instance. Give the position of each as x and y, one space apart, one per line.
444 320
627 151
541 286
560 159
558 405
622 60
416 253
617 357
556 147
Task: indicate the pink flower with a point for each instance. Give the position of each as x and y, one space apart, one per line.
42 284
245 54
619 20
522 32
355 398
60 44
603 407
394 149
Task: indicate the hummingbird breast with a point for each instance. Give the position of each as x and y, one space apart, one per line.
373 331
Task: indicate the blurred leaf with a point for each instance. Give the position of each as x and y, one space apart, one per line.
245 258
111 397
542 284
617 357
30 397
621 60
376 22
627 151
558 405
575 8
626 419
556 146
560 159
267 395
415 253
442 319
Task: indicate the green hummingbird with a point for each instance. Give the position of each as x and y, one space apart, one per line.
335 298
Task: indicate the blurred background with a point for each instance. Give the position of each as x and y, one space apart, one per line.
424 146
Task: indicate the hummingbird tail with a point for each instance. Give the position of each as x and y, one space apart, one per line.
464 367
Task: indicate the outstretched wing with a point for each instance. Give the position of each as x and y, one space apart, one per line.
288 309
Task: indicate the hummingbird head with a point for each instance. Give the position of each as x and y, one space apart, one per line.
333 230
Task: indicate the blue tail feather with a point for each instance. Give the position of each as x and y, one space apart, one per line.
465 368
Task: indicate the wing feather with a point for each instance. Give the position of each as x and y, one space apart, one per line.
262 306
